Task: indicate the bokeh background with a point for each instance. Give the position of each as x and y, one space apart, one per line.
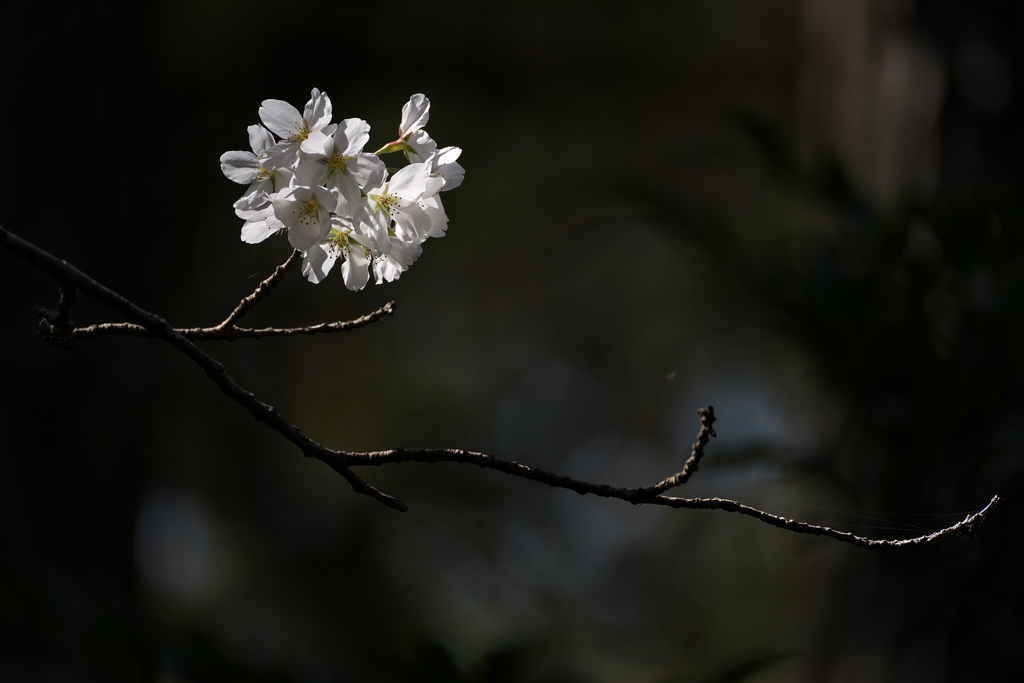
807 213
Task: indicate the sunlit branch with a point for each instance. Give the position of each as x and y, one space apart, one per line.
261 291
650 495
57 328
707 430
229 332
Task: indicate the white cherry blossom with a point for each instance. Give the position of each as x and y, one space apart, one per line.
390 267
253 169
444 164
259 224
342 165
412 140
395 203
342 242
295 129
334 201
247 167
305 212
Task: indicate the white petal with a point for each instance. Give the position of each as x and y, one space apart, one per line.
260 139
317 262
310 172
438 218
412 223
355 269
389 268
410 182
326 198
434 185
281 117
254 199
319 144
414 115
422 146
372 229
366 168
284 154
375 182
304 235
347 189
351 136
256 230
448 155
240 167
318 110
282 178
445 164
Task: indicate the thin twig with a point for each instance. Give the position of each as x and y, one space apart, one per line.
261 291
230 332
707 430
56 324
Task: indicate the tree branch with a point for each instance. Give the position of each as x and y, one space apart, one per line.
261 291
651 495
64 272
57 328
707 419
227 332
63 333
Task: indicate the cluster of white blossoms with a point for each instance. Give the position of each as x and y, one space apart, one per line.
335 200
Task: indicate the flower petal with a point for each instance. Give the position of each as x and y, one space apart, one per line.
280 117
356 268
414 114
409 183
351 136
318 110
317 262
260 139
240 167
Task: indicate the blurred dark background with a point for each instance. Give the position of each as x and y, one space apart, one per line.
806 213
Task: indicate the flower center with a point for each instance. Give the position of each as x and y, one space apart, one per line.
338 239
385 202
303 133
309 212
337 164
